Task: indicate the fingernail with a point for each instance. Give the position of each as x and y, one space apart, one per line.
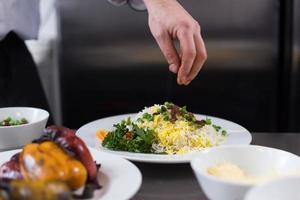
185 79
173 68
185 82
179 81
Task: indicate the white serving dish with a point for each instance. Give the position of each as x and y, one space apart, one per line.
282 189
236 135
12 137
254 160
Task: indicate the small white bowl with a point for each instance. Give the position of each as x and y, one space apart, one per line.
254 160
12 137
287 188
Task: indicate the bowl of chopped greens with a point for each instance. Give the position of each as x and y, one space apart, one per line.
20 125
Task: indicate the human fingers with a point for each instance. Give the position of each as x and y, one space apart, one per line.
200 59
169 51
188 55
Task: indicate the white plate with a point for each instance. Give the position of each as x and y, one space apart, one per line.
236 135
119 178
286 188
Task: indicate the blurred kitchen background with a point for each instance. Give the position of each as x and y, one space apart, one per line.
97 60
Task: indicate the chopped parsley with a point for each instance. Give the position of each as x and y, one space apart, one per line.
148 117
9 121
169 105
208 121
127 136
217 128
224 133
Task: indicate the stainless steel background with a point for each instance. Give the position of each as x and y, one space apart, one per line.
110 63
295 79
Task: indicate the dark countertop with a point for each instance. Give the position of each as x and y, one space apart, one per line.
177 181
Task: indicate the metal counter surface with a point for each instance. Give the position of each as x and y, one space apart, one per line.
177 182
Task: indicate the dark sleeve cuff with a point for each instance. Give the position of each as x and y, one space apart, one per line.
135 4
117 2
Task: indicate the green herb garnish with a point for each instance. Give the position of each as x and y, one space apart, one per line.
168 105
224 133
9 121
208 121
148 117
217 128
140 140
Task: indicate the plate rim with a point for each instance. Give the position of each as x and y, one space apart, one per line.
185 159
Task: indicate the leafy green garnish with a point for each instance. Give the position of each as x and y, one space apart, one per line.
168 105
128 121
163 109
166 118
9 121
224 133
146 135
183 110
140 142
140 120
208 121
217 128
148 116
165 114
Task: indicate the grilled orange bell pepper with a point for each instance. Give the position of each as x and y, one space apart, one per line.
47 161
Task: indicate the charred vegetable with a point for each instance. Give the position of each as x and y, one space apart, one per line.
11 169
67 139
57 156
48 162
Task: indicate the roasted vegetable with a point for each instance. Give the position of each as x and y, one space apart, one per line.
49 162
11 169
57 156
34 190
67 139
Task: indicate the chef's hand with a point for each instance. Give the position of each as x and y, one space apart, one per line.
169 21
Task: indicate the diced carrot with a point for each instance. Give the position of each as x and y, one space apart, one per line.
101 134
